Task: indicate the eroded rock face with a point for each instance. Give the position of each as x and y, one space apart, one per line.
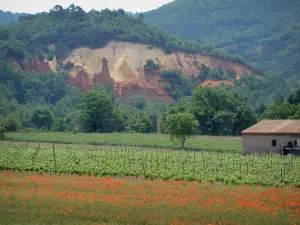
35 65
104 76
122 64
126 61
82 80
150 92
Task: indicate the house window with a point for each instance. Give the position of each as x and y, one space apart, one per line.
274 143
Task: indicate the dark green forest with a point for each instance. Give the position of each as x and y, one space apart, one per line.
65 28
265 33
8 17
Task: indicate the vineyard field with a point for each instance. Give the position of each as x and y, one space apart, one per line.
229 168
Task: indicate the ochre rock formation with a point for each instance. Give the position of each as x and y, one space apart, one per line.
35 65
122 64
153 93
81 80
104 76
126 61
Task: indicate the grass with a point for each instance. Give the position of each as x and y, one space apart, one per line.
44 199
142 140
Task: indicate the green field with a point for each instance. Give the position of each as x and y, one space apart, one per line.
142 140
232 168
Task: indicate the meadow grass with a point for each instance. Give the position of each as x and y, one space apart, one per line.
44 199
126 139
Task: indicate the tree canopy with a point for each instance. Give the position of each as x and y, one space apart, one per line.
181 126
265 33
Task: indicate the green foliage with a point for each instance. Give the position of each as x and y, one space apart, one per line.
8 17
137 102
65 28
12 123
221 112
264 34
68 66
42 118
152 65
139 122
177 85
58 125
284 109
181 126
97 113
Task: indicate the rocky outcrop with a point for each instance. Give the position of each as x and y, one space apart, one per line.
82 80
138 87
122 64
35 65
104 76
126 61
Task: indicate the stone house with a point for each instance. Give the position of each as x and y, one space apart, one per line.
270 136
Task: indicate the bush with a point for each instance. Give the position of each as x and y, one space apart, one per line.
12 123
2 131
152 65
68 66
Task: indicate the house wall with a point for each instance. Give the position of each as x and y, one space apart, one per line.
263 143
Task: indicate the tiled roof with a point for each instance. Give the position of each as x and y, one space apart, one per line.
275 127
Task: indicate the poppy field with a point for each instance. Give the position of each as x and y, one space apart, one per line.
28 198
228 168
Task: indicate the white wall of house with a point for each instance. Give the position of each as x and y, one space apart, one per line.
263 143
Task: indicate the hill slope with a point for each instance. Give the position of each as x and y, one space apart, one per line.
265 33
79 44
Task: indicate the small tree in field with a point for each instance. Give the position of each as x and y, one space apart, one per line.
181 126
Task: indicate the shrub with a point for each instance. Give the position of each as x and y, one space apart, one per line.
12 123
2 131
152 65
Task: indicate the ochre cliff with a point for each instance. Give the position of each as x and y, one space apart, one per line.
122 63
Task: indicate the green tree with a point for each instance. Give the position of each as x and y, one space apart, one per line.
42 118
58 125
97 112
221 111
12 123
137 102
181 126
279 111
138 122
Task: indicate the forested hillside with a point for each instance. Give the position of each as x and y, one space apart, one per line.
39 53
45 100
65 28
7 17
265 33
